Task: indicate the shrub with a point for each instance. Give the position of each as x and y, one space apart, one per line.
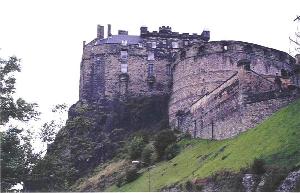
171 151
258 166
162 140
135 147
131 174
147 154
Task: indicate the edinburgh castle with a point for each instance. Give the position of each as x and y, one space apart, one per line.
216 89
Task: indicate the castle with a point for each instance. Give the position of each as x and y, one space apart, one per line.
217 89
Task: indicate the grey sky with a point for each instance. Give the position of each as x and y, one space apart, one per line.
48 35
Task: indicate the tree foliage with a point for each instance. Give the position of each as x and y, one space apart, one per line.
135 147
9 107
295 39
17 157
162 140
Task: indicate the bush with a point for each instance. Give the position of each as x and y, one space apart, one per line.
162 140
171 151
258 166
131 174
135 147
147 154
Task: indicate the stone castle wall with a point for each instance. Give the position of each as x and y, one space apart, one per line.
208 65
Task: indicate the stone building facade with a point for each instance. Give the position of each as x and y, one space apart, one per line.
217 89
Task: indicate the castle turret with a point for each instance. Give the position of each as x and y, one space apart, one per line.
144 31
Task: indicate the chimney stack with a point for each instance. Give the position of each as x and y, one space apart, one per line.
100 31
108 30
83 44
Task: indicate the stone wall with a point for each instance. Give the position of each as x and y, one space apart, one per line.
206 66
240 103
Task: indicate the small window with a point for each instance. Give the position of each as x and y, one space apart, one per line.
124 42
124 68
124 54
140 45
98 61
186 43
225 48
150 70
174 44
164 41
150 56
169 72
153 44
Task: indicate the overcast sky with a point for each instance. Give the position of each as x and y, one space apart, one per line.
48 35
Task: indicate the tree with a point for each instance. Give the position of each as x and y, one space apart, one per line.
9 108
50 128
162 140
295 40
135 147
17 157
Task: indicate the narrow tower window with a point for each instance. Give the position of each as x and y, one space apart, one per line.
153 44
150 70
169 72
124 54
150 56
124 68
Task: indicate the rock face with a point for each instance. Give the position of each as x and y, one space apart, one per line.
289 183
93 134
217 89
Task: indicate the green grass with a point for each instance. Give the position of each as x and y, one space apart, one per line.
276 140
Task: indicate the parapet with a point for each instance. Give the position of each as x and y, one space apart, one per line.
166 32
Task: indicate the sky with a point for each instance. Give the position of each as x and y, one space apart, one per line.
48 35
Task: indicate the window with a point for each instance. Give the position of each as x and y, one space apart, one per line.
225 48
150 56
169 72
186 43
98 61
124 42
153 44
164 41
140 45
124 54
174 44
150 70
124 68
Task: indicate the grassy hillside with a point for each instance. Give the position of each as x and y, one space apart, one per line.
277 141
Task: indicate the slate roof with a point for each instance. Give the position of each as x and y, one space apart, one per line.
117 39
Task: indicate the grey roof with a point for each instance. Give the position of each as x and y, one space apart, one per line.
117 39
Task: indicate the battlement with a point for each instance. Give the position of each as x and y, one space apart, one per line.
166 32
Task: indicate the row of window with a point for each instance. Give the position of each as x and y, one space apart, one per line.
124 55
150 69
174 44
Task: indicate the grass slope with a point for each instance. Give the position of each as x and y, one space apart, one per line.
277 140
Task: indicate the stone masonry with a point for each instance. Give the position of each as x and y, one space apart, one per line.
217 89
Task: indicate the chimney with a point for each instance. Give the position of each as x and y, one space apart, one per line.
108 30
83 44
100 31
